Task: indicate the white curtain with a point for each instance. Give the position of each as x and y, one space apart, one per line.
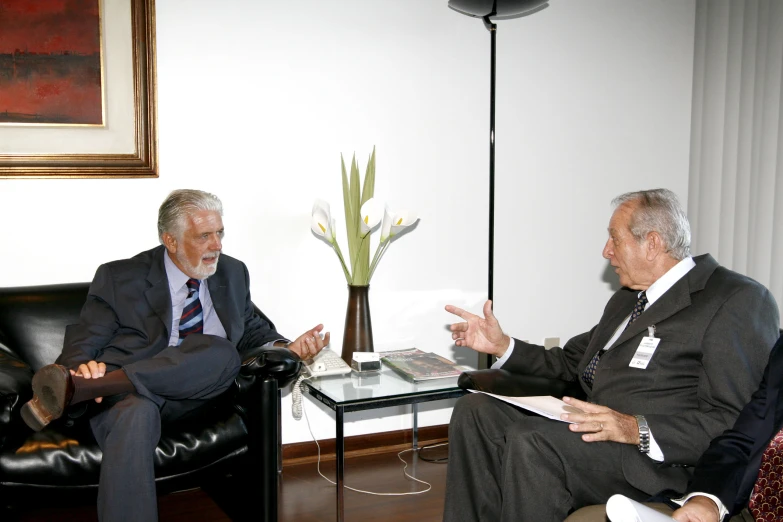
735 201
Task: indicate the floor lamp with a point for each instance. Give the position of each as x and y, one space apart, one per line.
489 11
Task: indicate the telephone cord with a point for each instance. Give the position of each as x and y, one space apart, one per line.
298 408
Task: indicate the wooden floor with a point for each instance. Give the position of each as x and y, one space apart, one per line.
307 497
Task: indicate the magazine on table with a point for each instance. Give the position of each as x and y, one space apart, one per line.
416 365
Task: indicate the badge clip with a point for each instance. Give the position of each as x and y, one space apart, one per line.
651 331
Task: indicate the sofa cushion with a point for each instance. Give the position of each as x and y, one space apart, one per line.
62 455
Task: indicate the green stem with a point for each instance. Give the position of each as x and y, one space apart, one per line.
342 262
378 256
375 257
355 261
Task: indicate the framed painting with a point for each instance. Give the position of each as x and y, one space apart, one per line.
77 89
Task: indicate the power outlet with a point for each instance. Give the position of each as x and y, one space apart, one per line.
551 342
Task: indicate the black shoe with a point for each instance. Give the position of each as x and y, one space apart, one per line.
52 392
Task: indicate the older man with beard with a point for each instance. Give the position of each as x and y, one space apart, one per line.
159 337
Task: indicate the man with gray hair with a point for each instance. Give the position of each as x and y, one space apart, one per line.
674 358
159 337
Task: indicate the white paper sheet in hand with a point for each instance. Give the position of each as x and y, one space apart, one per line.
544 405
620 508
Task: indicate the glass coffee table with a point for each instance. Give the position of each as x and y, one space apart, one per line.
357 392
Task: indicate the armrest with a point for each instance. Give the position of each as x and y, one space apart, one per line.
16 378
259 364
503 382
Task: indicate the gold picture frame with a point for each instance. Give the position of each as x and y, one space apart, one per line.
141 163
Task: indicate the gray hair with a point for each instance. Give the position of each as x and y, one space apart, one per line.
659 210
179 205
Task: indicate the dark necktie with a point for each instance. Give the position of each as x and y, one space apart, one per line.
192 320
589 374
766 501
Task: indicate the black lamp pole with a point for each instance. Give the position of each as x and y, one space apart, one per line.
492 28
489 10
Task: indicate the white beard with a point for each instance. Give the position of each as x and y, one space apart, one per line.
201 271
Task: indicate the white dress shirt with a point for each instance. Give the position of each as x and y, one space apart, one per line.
654 292
179 293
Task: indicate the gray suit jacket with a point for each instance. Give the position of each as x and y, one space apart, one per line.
127 315
717 328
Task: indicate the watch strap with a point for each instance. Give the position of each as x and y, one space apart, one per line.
644 434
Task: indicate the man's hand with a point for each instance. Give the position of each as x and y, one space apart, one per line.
309 343
698 509
91 370
483 335
601 423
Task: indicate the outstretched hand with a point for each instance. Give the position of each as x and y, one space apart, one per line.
601 423
307 345
482 334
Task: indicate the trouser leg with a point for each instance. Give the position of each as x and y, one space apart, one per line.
549 470
176 381
201 368
476 446
507 465
127 434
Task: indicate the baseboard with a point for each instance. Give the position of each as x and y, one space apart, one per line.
358 445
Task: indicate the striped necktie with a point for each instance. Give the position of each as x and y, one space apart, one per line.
589 374
766 501
192 320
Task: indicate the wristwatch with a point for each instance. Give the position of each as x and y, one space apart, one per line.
644 434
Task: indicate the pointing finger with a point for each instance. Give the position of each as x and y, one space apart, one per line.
457 311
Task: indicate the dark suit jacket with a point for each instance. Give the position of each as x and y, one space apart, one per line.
127 316
716 329
728 469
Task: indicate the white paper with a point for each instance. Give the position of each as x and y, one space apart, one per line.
620 508
544 405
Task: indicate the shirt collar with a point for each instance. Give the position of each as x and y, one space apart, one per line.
177 278
675 273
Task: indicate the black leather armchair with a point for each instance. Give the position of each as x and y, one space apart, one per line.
231 450
502 382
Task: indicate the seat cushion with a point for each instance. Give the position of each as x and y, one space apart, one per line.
62 455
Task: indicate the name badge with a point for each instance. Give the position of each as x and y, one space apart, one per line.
645 350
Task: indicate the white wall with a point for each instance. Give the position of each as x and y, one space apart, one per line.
594 99
258 99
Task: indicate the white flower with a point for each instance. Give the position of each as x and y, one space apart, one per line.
370 216
321 222
387 223
402 220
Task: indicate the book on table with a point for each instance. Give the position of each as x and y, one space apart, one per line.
416 365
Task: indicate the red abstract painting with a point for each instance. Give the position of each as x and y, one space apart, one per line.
50 62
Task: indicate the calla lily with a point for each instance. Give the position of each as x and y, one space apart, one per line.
388 218
394 224
321 222
370 216
402 220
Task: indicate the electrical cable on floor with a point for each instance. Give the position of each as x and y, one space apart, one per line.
429 486
441 460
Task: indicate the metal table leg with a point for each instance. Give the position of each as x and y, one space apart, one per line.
415 408
280 433
340 463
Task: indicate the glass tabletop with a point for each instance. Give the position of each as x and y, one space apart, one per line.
384 384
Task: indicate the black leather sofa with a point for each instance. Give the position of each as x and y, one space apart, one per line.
231 450
502 382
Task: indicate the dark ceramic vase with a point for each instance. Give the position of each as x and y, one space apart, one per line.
358 326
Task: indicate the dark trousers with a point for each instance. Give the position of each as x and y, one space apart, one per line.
169 385
507 465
